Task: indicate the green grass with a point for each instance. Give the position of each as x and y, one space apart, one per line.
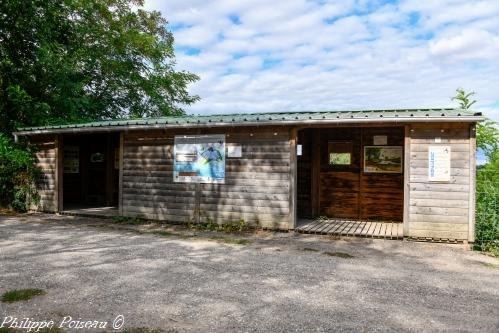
496 266
338 254
147 330
310 249
21 295
130 220
164 233
7 330
53 329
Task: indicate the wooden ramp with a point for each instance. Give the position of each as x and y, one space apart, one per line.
345 227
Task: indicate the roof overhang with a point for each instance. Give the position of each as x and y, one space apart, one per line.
304 119
310 122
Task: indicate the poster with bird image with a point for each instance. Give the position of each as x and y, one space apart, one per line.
199 159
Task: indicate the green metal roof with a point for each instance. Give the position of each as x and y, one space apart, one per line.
269 118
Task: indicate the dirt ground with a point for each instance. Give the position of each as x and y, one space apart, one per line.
188 281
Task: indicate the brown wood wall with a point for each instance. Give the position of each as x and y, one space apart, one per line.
46 162
256 186
440 210
346 191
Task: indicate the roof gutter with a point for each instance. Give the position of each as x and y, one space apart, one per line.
111 128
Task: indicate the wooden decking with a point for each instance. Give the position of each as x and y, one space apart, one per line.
345 227
106 212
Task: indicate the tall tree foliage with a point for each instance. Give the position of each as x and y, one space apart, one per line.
487 131
76 60
487 181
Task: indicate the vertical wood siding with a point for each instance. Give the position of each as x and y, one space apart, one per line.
45 161
439 210
256 187
148 187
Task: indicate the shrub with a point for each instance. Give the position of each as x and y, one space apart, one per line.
18 176
487 208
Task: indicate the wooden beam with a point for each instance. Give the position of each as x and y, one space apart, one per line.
120 181
109 172
293 137
316 166
472 196
59 197
407 177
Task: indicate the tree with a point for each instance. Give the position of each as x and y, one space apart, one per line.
464 98
80 60
487 131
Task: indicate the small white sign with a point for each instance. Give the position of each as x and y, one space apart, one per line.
299 150
234 151
380 140
438 139
439 163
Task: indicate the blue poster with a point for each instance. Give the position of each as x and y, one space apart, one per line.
199 159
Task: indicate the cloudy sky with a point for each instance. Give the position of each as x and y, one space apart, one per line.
292 55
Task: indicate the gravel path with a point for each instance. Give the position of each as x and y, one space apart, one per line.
281 282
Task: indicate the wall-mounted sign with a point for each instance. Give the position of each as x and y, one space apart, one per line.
299 150
439 163
71 159
380 140
234 151
199 159
383 159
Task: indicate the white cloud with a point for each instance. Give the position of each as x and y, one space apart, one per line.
469 44
257 55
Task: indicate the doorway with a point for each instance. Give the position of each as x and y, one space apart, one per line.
351 173
91 173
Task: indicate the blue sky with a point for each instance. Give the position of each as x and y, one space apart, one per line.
256 56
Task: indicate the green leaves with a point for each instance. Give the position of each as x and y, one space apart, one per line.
80 60
464 98
17 175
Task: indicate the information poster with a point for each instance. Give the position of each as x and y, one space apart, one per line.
439 163
71 159
199 159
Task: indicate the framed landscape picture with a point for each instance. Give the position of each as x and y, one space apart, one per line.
383 159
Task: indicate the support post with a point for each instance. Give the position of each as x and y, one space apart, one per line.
109 172
120 181
407 178
472 197
315 174
293 137
59 155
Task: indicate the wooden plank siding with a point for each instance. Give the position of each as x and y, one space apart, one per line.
46 162
440 210
257 186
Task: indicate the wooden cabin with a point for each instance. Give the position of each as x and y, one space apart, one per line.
415 168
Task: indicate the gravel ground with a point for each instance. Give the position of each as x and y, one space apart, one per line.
281 282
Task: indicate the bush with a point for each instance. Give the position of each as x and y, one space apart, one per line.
18 176
487 208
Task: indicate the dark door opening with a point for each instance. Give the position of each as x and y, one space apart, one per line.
90 171
351 173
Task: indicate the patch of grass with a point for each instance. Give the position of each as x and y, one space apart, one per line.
129 220
309 249
53 329
486 264
7 330
210 225
147 330
339 254
164 233
21 295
